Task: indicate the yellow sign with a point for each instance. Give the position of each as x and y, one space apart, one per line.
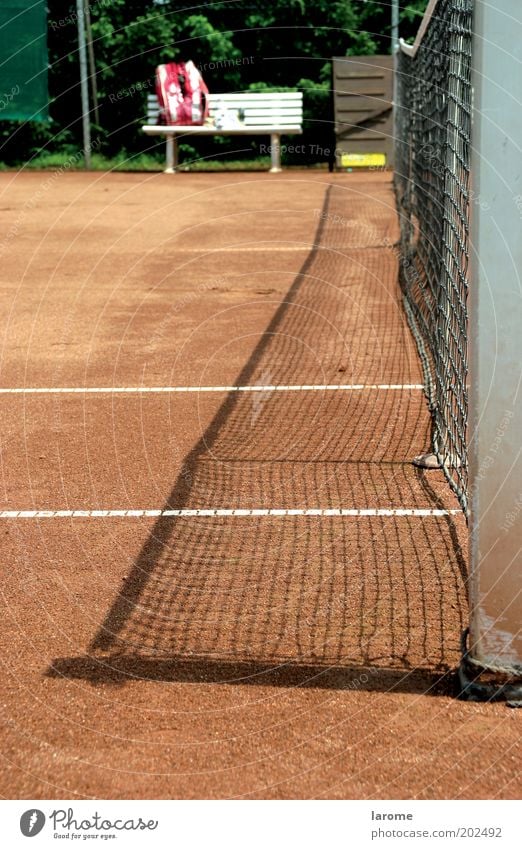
363 160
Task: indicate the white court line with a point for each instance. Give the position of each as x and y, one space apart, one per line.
228 512
232 249
235 249
112 390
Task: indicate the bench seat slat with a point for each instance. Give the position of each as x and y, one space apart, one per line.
250 96
180 130
253 112
253 119
269 122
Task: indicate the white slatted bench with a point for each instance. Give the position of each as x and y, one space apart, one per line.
266 113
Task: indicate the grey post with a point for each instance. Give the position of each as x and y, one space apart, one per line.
394 27
275 152
395 47
171 145
84 84
495 398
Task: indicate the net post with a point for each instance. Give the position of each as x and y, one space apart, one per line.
492 657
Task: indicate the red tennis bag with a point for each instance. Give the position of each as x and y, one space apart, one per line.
182 94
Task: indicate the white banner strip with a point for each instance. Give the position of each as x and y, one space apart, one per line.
112 390
235 512
235 824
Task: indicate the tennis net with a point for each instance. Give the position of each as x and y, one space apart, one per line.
433 123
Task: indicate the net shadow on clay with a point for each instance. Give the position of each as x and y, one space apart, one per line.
370 603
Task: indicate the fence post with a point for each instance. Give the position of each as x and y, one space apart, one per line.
84 83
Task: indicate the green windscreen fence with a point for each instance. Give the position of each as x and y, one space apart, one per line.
23 60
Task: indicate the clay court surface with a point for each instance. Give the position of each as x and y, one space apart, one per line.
210 655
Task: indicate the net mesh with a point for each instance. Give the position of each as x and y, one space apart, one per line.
433 118
212 593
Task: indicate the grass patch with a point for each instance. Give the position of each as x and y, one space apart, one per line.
260 163
138 162
74 162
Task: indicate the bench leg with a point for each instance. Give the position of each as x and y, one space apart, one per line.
171 146
275 151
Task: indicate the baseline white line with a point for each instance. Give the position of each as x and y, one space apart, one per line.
242 249
104 390
229 512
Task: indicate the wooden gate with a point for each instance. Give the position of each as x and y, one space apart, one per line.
363 111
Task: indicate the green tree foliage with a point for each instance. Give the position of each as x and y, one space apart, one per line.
252 44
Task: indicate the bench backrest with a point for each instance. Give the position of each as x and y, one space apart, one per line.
264 109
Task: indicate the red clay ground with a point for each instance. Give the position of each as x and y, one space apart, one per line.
194 657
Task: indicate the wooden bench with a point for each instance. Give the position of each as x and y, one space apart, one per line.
266 113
